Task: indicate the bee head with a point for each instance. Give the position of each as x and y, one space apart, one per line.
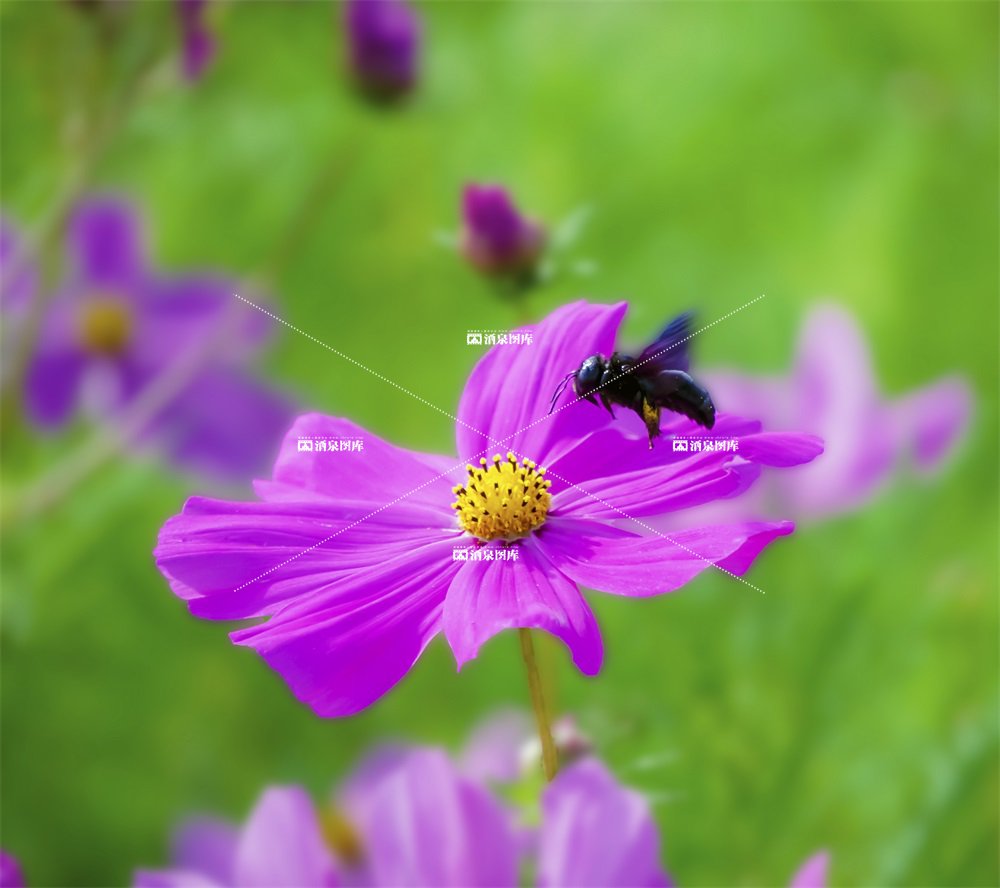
588 377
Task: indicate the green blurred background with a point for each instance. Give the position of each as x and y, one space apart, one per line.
726 150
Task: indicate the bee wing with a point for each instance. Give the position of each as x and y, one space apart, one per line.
669 351
676 391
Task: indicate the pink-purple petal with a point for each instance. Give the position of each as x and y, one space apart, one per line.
596 832
814 873
206 845
343 647
106 245
379 473
506 399
281 845
428 825
642 565
492 753
487 597
11 875
224 424
175 878
929 423
237 560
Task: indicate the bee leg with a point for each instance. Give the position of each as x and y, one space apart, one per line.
607 405
651 416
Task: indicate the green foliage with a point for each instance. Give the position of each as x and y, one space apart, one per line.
802 151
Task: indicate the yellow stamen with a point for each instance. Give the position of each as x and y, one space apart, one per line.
341 836
503 500
105 325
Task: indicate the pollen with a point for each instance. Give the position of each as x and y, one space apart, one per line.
105 325
503 499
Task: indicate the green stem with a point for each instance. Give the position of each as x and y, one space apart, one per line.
550 756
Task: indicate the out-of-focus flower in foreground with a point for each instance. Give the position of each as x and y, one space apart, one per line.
10 871
116 332
410 816
495 237
281 844
832 392
383 47
356 555
197 42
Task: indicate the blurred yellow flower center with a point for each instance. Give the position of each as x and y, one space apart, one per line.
105 325
504 499
341 836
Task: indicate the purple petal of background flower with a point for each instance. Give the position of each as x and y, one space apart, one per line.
18 283
282 845
383 46
215 419
10 871
813 873
430 825
832 392
597 833
197 42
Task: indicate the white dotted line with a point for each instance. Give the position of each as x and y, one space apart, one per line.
652 357
497 442
351 360
550 474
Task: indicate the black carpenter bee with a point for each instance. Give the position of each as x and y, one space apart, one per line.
656 379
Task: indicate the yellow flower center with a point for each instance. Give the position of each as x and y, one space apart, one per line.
503 500
341 836
105 325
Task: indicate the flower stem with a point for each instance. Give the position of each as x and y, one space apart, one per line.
550 757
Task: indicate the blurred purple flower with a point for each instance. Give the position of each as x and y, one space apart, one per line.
18 285
379 526
281 844
383 47
18 273
116 329
597 833
197 42
10 871
496 238
813 873
506 746
833 393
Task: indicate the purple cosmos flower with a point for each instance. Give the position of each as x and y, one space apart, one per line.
10 871
383 47
353 555
406 817
117 331
197 42
832 392
281 844
496 238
